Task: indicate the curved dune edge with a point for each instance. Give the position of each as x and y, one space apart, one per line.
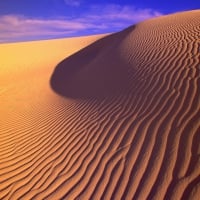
72 140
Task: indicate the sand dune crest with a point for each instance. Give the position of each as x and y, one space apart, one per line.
93 72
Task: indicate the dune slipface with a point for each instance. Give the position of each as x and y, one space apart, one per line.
119 119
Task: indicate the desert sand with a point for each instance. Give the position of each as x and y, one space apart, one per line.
103 117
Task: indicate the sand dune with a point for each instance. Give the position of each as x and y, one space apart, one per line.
118 119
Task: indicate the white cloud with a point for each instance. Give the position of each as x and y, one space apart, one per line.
97 19
72 2
116 12
16 28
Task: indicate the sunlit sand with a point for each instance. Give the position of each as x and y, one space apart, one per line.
103 117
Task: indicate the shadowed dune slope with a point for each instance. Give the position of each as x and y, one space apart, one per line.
96 71
118 119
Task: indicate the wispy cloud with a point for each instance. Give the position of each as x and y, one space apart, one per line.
118 12
73 2
99 19
117 16
18 28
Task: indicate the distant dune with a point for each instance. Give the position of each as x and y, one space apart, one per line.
103 117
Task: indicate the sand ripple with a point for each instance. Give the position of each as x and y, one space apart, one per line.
120 119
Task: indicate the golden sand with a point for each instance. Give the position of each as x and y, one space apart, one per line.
103 117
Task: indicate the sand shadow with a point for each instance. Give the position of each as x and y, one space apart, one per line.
96 71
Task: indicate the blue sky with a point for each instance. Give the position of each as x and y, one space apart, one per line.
22 20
